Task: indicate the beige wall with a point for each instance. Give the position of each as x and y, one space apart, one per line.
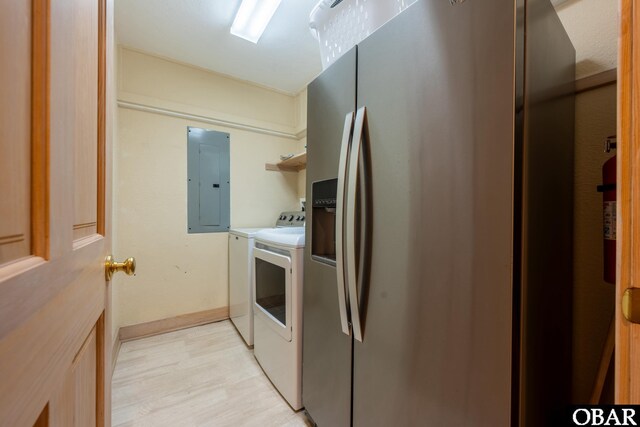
115 293
593 298
180 273
302 184
301 112
301 115
160 82
592 27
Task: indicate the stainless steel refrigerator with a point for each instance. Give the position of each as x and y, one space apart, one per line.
438 265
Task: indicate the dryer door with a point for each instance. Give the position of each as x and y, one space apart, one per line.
272 290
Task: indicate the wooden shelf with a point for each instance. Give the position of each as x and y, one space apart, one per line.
292 164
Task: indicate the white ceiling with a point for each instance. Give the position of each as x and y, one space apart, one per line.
286 58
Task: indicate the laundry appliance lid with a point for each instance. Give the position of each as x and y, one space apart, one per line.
245 232
292 237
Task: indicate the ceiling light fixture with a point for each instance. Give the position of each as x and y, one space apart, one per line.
252 18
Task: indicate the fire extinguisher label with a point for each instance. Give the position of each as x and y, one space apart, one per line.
610 220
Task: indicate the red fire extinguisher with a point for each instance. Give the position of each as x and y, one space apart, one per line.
608 190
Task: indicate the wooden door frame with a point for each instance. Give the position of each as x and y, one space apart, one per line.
627 362
106 122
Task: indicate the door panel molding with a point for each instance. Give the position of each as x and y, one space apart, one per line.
15 238
40 280
26 135
40 102
15 129
102 114
82 35
24 370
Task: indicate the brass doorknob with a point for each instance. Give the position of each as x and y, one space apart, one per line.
631 305
111 266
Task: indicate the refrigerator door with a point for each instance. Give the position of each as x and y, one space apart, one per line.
327 351
438 86
547 205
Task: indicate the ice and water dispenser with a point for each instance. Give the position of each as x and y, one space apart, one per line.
323 224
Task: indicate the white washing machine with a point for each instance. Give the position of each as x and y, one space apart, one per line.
241 242
278 260
241 280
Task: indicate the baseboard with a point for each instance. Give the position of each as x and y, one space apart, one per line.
115 350
156 327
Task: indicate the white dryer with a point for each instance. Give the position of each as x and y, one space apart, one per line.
241 243
278 260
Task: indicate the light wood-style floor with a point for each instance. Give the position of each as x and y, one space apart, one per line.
202 376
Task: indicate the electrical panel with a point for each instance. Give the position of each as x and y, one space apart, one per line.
208 181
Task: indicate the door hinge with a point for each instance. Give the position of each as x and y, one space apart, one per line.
631 305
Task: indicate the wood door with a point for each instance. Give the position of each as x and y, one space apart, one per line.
55 337
627 351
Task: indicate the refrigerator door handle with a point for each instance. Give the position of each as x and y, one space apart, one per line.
353 279
340 219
